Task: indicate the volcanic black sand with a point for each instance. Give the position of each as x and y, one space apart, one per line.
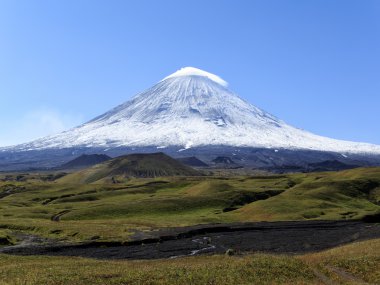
276 237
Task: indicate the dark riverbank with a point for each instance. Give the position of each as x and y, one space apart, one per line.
277 237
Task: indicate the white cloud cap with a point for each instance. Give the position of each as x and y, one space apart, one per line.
190 71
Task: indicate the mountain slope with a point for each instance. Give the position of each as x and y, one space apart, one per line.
192 108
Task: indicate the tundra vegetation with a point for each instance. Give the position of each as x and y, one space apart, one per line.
85 205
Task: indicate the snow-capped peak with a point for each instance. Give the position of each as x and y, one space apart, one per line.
191 108
192 71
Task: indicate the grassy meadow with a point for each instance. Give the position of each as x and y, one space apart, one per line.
68 208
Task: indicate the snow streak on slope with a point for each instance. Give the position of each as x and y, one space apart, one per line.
192 108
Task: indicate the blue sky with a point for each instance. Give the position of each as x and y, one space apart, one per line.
314 64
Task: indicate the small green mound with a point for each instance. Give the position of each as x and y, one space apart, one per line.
133 166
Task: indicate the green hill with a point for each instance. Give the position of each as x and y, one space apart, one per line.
132 166
348 194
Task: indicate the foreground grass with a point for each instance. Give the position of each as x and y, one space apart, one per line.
359 260
253 269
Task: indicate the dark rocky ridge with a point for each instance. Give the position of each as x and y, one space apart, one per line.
331 165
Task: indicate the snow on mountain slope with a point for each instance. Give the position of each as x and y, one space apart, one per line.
192 108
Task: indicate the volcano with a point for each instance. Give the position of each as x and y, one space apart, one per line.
191 113
192 108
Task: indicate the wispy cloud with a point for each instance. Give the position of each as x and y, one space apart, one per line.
35 124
